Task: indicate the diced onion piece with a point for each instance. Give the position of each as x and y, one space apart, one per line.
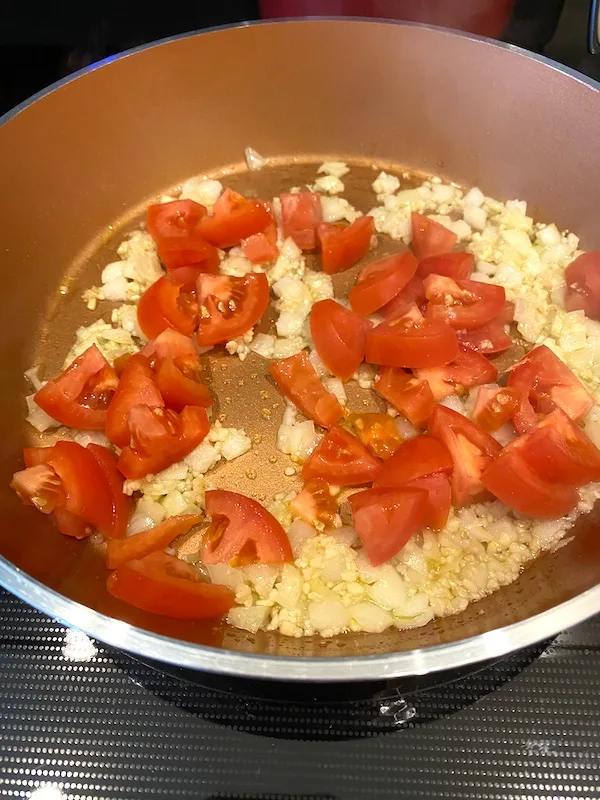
254 160
389 590
228 576
329 616
298 534
262 577
289 588
249 619
370 617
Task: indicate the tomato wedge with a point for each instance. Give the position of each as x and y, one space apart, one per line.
495 406
411 342
170 344
488 340
166 305
439 499
243 530
140 545
583 284
301 215
316 505
165 585
412 294
298 381
80 396
464 305
471 448
160 438
378 432
136 387
546 383
412 396
339 336
385 519
342 460
229 306
261 248
39 485
451 265
234 218
415 458
121 503
381 281
467 370
175 229
180 383
429 238
341 248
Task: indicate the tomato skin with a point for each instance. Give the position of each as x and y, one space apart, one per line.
439 499
142 544
415 458
160 307
385 519
179 384
298 381
165 585
342 460
412 294
261 248
429 238
136 387
301 215
583 284
176 219
170 344
412 396
339 336
495 406
488 339
234 218
121 503
378 432
472 305
381 281
248 526
417 344
467 370
341 248
70 524
451 265
61 396
250 296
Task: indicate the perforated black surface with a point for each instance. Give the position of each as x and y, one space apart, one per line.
82 721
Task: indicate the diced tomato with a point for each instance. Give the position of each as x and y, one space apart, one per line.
136 387
165 585
180 383
439 499
378 432
170 344
507 314
509 478
229 306
471 448
385 519
467 370
70 524
160 438
488 340
316 504
242 530
298 381
583 284
32 456
495 406
412 294
546 383
166 305
457 266
464 305
80 396
341 248
140 545
175 229
301 215
178 218
121 503
342 460
339 336
187 257
381 281
411 341
234 218
429 238
410 395
261 248
415 458
39 485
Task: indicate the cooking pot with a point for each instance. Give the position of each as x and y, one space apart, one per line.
81 159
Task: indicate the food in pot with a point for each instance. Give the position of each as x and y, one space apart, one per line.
470 332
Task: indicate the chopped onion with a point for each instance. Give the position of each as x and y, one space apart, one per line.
336 387
228 576
405 429
32 377
289 588
254 160
38 418
329 616
298 534
139 523
262 577
370 617
454 403
389 590
250 619
346 534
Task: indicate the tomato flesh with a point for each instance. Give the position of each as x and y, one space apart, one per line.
301 215
429 238
316 504
415 458
261 248
342 460
495 406
121 503
142 544
179 382
170 344
381 281
439 499
488 339
339 336
136 387
463 304
378 432
412 396
298 381
583 284
234 218
341 248
451 265
467 370
412 294
164 305
229 306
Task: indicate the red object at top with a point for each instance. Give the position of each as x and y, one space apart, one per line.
485 17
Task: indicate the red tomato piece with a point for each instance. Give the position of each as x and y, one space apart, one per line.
546 383
495 406
381 281
439 499
121 503
298 381
342 460
80 396
457 266
316 505
385 519
242 530
166 305
261 248
234 218
301 215
378 432
339 336
175 229
410 395
160 438
467 370
471 448
507 314
140 545
411 341
36 455
341 248
229 306
412 294
488 340
136 387
70 524
39 486
165 585
170 344
583 284
180 383
464 305
429 238
416 458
